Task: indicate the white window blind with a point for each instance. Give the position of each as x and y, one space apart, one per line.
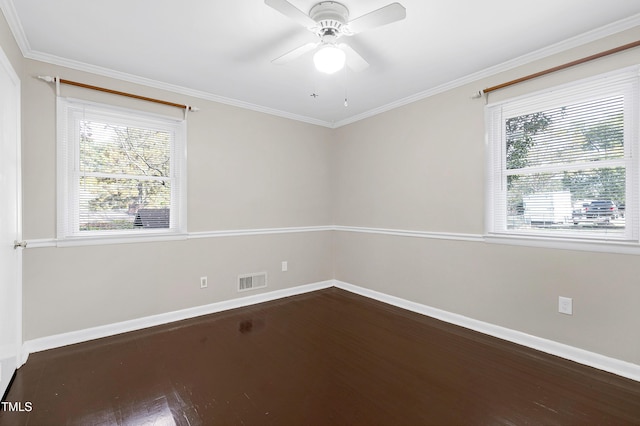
120 172
561 163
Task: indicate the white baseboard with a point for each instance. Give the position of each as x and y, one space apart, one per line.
592 359
70 338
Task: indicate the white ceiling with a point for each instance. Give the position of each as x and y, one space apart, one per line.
222 49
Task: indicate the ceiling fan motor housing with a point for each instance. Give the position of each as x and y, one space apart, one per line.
330 16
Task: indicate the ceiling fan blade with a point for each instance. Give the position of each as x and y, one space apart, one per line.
385 15
354 60
295 53
290 11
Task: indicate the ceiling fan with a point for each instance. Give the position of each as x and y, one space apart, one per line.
329 20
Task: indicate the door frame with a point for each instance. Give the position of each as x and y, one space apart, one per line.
8 71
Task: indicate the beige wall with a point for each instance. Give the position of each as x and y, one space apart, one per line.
68 289
421 167
9 45
246 170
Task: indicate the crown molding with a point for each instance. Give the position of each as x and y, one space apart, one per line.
10 14
577 41
143 81
15 25
8 9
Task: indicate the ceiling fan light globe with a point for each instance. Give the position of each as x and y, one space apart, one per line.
329 59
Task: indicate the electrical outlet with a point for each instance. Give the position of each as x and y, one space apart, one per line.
565 305
203 282
285 266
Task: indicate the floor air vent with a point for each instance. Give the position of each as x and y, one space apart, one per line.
252 281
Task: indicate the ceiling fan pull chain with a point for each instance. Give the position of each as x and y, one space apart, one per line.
346 103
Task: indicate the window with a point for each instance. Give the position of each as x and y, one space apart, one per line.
562 163
120 172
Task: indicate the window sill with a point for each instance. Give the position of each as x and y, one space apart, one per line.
593 245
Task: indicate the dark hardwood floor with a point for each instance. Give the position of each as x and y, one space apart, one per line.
323 358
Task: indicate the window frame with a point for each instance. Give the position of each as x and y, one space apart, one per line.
625 81
70 112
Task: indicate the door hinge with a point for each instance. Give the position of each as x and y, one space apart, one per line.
17 244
